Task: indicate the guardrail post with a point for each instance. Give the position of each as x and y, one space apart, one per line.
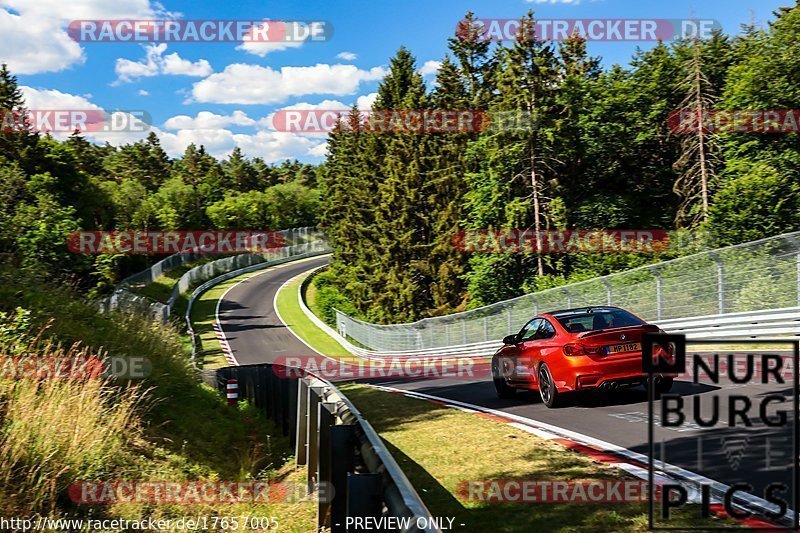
342 448
274 398
569 297
312 453
659 293
232 392
325 419
796 244
609 295
363 496
301 441
720 283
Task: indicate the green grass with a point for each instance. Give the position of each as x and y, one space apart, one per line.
160 288
209 353
288 306
438 447
165 427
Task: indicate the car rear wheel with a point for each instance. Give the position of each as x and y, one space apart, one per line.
547 388
500 385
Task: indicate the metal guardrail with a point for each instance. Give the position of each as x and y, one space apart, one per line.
753 324
299 241
343 455
745 278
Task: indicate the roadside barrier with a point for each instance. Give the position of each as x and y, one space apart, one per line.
342 453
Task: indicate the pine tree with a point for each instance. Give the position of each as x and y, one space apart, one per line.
471 51
239 173
697 158
445 194
17 141
525 84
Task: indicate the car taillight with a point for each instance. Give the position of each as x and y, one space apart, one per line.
592 350
573 348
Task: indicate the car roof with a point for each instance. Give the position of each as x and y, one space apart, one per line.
583 311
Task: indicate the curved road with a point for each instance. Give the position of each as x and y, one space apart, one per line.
759 454
248 318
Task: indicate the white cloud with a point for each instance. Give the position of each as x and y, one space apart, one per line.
51 99
253 84
155 63
208 120
276 146
347 56
321 150
205 128
366 102
142 92
270 145
325 105
262 48
33 33
430 68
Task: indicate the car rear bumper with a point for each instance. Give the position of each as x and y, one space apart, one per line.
599 372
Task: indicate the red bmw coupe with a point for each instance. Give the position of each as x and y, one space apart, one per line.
590 348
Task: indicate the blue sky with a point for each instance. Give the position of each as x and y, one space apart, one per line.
221 95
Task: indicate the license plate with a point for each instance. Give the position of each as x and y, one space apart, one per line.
619 348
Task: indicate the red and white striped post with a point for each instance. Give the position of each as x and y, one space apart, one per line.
232 390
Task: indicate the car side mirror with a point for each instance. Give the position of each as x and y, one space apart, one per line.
510 339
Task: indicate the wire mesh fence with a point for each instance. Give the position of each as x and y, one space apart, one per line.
297 242
752 276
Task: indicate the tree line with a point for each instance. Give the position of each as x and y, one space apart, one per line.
50 189
600 155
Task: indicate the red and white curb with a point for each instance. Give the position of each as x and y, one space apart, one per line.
629 461
224 344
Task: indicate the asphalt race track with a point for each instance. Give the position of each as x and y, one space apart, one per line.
248 318
758 455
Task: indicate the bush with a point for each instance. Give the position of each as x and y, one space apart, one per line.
329 297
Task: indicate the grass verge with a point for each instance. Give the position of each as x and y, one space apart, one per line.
439 447
165 427
209 351
288 306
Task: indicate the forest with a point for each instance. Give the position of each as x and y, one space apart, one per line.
600 155
50 189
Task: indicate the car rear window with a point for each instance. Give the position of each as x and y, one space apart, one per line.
598 319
